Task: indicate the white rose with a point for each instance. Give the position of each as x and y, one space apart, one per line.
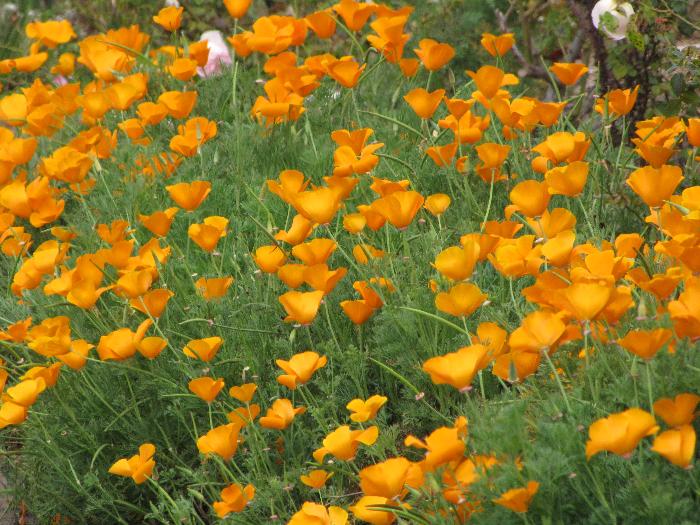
622 12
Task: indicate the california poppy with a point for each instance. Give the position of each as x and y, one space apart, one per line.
234 498
138 467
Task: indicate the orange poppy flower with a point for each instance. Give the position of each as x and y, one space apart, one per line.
457 369
318 205
237 8
462 300
399 208
568 180
169 18
151 347
300 229
301 307
620 433
189 196
122 343
518 500
433 54
346 72
315 479
50 33
280 415
300 368
443 445
529 197
343 442
138 467
497 46
437 203
489 79
678 411
409 66
159 222
654 186
457 263
213 288
617 102
183 69
364 410
204 349
677 445
568 73
645 343
269 258
354 14
243 393
179 104
692 131
234 498
316 513
221 440
316 251
322 23
424 103
206 388
207 234
153 302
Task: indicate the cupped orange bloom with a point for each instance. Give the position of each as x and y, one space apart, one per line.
568 73
489 79
169 18
122 343
206 388
243 393
301 307
300 229
213 288
620 433
677 445
492 157
11 414
654 186
692 131
399 208
221 440
184 69
617 102
409 66
237 8
318 205
26 392
462 300
457 263
151 347
678 411
314 513
204 349
189 195
322 23
280 415
354 14
179 104
390 477
269 258
540 330
559 147
645 343
586 301
529 197
364 410
343 442
518 500
433 54
316 251
443 445
457 369
497 46
153 302
138 467
424 103
207 234
568 180
346 72
443 155
234 498
315 479
50 33
300 368
437 203
159 222
320 277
